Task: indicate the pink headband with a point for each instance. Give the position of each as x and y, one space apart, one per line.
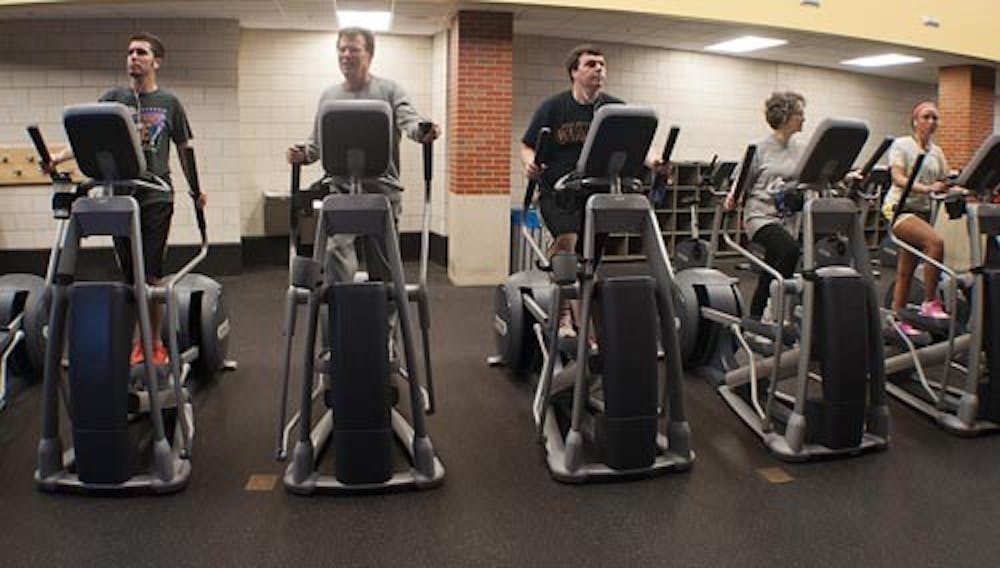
921 107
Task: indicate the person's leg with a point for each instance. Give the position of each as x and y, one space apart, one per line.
563 223
918 233
341 262
155 220
782 253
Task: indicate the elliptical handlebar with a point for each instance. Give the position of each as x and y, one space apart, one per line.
541 153
43 153
857 186
740 191
901 205
423 129
668 147
191 174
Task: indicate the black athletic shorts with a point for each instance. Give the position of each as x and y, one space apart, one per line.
562 211
155 222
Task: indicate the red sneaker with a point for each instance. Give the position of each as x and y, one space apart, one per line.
136 357
160 356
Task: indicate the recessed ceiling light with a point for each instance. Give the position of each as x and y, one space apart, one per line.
745 44
883 60
376 21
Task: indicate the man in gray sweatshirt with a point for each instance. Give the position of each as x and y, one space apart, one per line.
355 49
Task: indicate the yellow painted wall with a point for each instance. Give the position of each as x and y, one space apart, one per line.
968 27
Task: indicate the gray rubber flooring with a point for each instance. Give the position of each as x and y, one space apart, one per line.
930 500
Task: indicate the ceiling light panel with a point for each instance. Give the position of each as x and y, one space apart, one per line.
884 60
745 44
376 21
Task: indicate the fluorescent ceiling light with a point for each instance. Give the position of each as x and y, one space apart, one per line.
884 60
745 44
376 21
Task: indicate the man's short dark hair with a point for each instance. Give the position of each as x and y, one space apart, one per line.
154 42
357 31
573 59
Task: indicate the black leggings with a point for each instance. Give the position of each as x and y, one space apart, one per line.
781 252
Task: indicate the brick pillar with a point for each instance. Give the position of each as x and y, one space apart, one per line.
480 104
965 98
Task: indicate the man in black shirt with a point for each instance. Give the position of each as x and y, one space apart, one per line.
569 115
159 118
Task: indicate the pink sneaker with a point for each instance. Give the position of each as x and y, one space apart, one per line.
908 329
933 310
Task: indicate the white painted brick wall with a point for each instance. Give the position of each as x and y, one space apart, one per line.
37 79
716 100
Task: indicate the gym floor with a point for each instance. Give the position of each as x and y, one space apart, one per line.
930 500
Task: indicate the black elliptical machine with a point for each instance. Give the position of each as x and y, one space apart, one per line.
357 371
971 406
830 350
23 311
132 426
695 251
600 414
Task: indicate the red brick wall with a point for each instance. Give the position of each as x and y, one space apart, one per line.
480 102
965 98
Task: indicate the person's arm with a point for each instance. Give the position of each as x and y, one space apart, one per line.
528 160
63 155
309 152
900 177
180 133
407 118
528 140
188 167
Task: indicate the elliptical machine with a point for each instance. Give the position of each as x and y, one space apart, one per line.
973 406
696 252
23 314
132 427
837 404
599 416
355 369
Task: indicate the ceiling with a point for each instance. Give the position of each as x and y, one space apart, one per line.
425 17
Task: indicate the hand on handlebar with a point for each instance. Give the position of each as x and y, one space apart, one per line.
853 176
660 169
730 203
939 187
296 154
533 170
431 135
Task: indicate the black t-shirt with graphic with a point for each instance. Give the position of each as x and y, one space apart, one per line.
569 121
160 118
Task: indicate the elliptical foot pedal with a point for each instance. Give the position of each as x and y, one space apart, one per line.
935 327
891 337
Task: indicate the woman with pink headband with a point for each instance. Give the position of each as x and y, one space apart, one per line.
912 226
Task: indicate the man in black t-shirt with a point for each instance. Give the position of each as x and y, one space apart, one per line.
159 118
569 115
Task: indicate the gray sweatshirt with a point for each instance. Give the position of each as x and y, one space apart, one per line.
773 164
405 120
